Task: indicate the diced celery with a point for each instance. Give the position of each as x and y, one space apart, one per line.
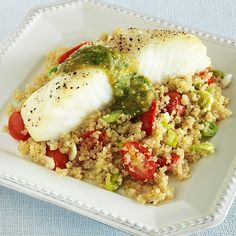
208 147
171 138
113 116
206 100
111 183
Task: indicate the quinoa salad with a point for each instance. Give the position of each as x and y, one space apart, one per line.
125 112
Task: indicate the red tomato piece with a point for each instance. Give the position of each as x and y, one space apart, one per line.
141 169
90 141
175 103
211 80
64 56
59 158
203 73
161 161
174 158
16 127
148 118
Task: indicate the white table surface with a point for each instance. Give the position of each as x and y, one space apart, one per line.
23 215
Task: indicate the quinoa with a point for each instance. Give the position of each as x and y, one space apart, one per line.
101 162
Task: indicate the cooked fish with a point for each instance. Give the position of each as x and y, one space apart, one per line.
162 53
61 104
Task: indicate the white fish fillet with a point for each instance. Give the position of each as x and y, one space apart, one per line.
61 104
162 53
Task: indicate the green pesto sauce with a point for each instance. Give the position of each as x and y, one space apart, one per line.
87 56
133 93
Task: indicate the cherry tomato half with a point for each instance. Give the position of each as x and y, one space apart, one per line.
59 158
148 118
138 161
89 141
16 127
161 161
64 56
175 103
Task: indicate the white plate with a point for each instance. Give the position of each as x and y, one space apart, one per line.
201 202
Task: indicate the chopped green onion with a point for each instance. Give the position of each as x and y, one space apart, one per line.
113 116
209 130
171 138
218 73
114 178
53 70
208 147
206 100
112 183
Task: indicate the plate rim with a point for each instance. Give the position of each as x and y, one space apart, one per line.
226 193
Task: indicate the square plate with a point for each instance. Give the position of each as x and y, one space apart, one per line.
201 202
